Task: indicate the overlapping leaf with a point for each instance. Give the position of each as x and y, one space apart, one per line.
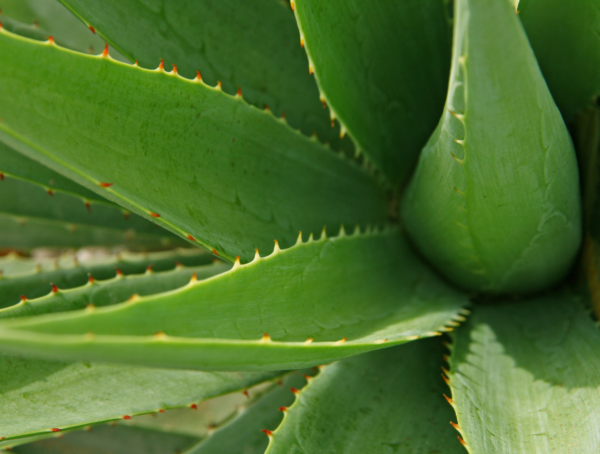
51 18
524 377
385 401
29 201
566 41
383 71
114 440
202 163
38 396
32 278
26 233
17 165
253 45
245 430
318 301
112 291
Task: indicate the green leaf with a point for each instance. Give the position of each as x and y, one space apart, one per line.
19 28
385 401
33 278
207 163
18 232
38 396
525 377
382 70
318 301
494 202
51 18
252 45
566 41
114 440
244 430
16 165
29 201
112 291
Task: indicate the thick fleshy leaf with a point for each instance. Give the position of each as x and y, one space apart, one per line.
114 440
566 39
318 301
29 201
383 71
202 163
112 291
525 377
494 202
243 433
385 401
33 279
253 45
51 18
17 165
38 396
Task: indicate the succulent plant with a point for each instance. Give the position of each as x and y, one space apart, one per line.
319 207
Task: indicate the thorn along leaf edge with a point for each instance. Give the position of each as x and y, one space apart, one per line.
12 331
364 165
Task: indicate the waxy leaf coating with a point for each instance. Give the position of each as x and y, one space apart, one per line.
494 202
204 164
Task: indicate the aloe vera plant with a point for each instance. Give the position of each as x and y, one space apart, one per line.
327 204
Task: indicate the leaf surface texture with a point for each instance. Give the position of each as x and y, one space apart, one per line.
524 377
383 70
312 309
195 160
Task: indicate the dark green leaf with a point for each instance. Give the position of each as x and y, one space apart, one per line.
383 71
105 439
566 39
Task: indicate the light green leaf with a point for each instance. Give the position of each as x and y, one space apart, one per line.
525 377
566 39
253 45
33 278
243 433
111 440
494 202
111 291
51 18
381 402
30 201
38 396
16 165
383 71
318 301
207 163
